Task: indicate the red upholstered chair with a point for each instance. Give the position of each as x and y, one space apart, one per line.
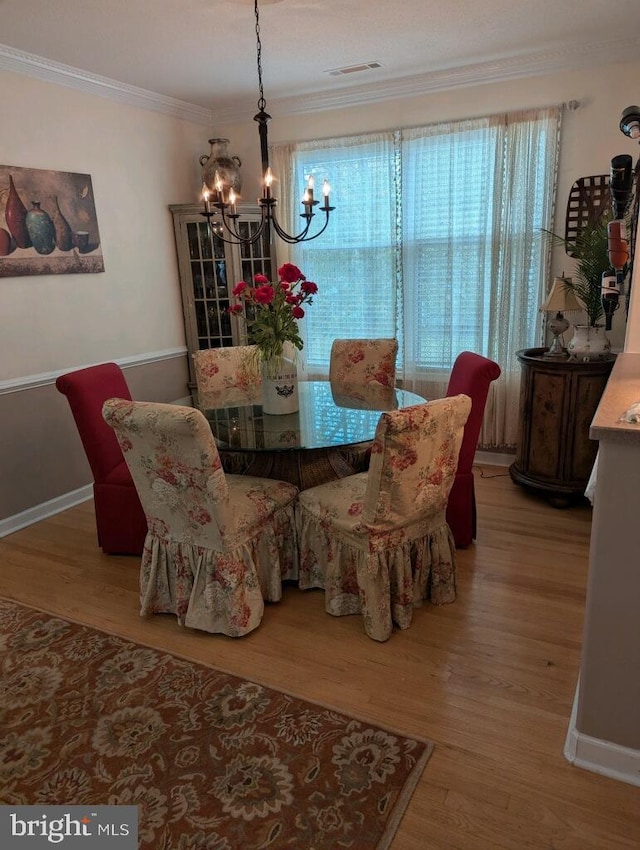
120 520
472 375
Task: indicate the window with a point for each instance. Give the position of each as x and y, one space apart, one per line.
436 240
354 261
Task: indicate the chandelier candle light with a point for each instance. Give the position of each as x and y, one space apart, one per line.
220 200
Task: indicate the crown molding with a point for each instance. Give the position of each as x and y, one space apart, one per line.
570 57
565 58
64 75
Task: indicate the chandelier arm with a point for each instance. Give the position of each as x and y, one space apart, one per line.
236 239
303 236
229 223
287 237
322 229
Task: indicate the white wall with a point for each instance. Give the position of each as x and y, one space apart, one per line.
139 161
590 134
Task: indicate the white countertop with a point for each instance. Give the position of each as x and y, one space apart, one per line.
622 390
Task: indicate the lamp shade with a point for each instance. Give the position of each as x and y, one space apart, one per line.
560 298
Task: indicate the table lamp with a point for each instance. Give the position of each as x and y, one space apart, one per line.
559 299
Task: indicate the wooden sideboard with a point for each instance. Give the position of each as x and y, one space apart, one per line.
558 400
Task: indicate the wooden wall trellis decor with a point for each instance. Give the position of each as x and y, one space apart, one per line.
589 199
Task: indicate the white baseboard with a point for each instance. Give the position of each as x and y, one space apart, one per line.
75 497
60 503
46 509
494 458
598 756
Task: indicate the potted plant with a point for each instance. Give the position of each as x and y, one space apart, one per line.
590 251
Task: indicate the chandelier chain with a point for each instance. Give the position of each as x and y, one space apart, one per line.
220 199
261 101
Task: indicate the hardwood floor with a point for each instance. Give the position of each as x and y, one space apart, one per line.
490 679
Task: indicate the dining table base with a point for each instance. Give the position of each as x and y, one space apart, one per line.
303 467
328 438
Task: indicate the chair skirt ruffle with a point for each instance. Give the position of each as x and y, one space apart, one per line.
383 576
219 591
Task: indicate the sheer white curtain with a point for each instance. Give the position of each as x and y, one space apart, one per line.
436 240
475 197
354 261
282 159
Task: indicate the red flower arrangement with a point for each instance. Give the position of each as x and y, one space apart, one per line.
272 311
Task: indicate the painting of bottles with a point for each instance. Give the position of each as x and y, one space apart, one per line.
48 223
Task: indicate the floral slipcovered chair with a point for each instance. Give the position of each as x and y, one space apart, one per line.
378 542
367 397
218 544
363 361
357 365
227 375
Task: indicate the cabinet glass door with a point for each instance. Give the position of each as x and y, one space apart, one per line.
210 286
255 258
209 269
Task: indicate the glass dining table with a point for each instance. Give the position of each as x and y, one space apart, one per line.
308 447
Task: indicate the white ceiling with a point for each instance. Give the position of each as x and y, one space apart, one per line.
203 52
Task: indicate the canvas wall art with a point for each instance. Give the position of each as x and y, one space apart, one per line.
48 223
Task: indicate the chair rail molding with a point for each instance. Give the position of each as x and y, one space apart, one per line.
30 382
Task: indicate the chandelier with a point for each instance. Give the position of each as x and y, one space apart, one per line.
220 200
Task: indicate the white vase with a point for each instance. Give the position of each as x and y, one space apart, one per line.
589 342
279 386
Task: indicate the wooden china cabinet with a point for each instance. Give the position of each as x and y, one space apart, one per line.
558 400
209 269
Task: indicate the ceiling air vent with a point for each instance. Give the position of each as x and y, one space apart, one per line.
353 69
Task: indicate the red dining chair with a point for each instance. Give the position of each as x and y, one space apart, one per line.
472 375
120 520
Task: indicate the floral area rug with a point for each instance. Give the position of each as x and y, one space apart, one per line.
213 762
